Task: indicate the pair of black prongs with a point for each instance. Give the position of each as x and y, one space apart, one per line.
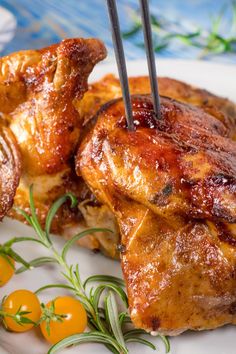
120 58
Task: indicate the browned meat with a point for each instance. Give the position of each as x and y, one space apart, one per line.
171 185
38 89
108 88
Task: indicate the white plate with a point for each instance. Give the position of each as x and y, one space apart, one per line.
220 80
7 26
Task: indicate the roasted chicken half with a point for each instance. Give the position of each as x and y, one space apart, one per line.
38 89
171 185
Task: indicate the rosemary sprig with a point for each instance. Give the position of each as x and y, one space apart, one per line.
211 41
107 323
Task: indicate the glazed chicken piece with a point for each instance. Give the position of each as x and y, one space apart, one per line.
37 93
171 185
108 88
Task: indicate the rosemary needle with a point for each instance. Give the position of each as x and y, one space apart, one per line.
106 322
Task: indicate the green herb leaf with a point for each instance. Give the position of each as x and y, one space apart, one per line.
77 237
112 312
37 262
100 288
54 208
158 48
34 220
166 342
23 213
141 341
135 29
105 278
4 255
90 337
124 318
20 239
155 22
52 286
77 275
18 258
134 332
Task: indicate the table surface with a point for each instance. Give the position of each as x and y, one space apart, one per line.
42 22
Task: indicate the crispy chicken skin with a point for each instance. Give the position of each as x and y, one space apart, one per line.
108 88
171 185
10 169
37 93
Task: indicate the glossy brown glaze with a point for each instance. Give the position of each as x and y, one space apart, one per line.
46 123
108 88
38 89
171 185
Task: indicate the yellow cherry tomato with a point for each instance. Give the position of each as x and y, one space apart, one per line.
7 269
74 319
18 301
